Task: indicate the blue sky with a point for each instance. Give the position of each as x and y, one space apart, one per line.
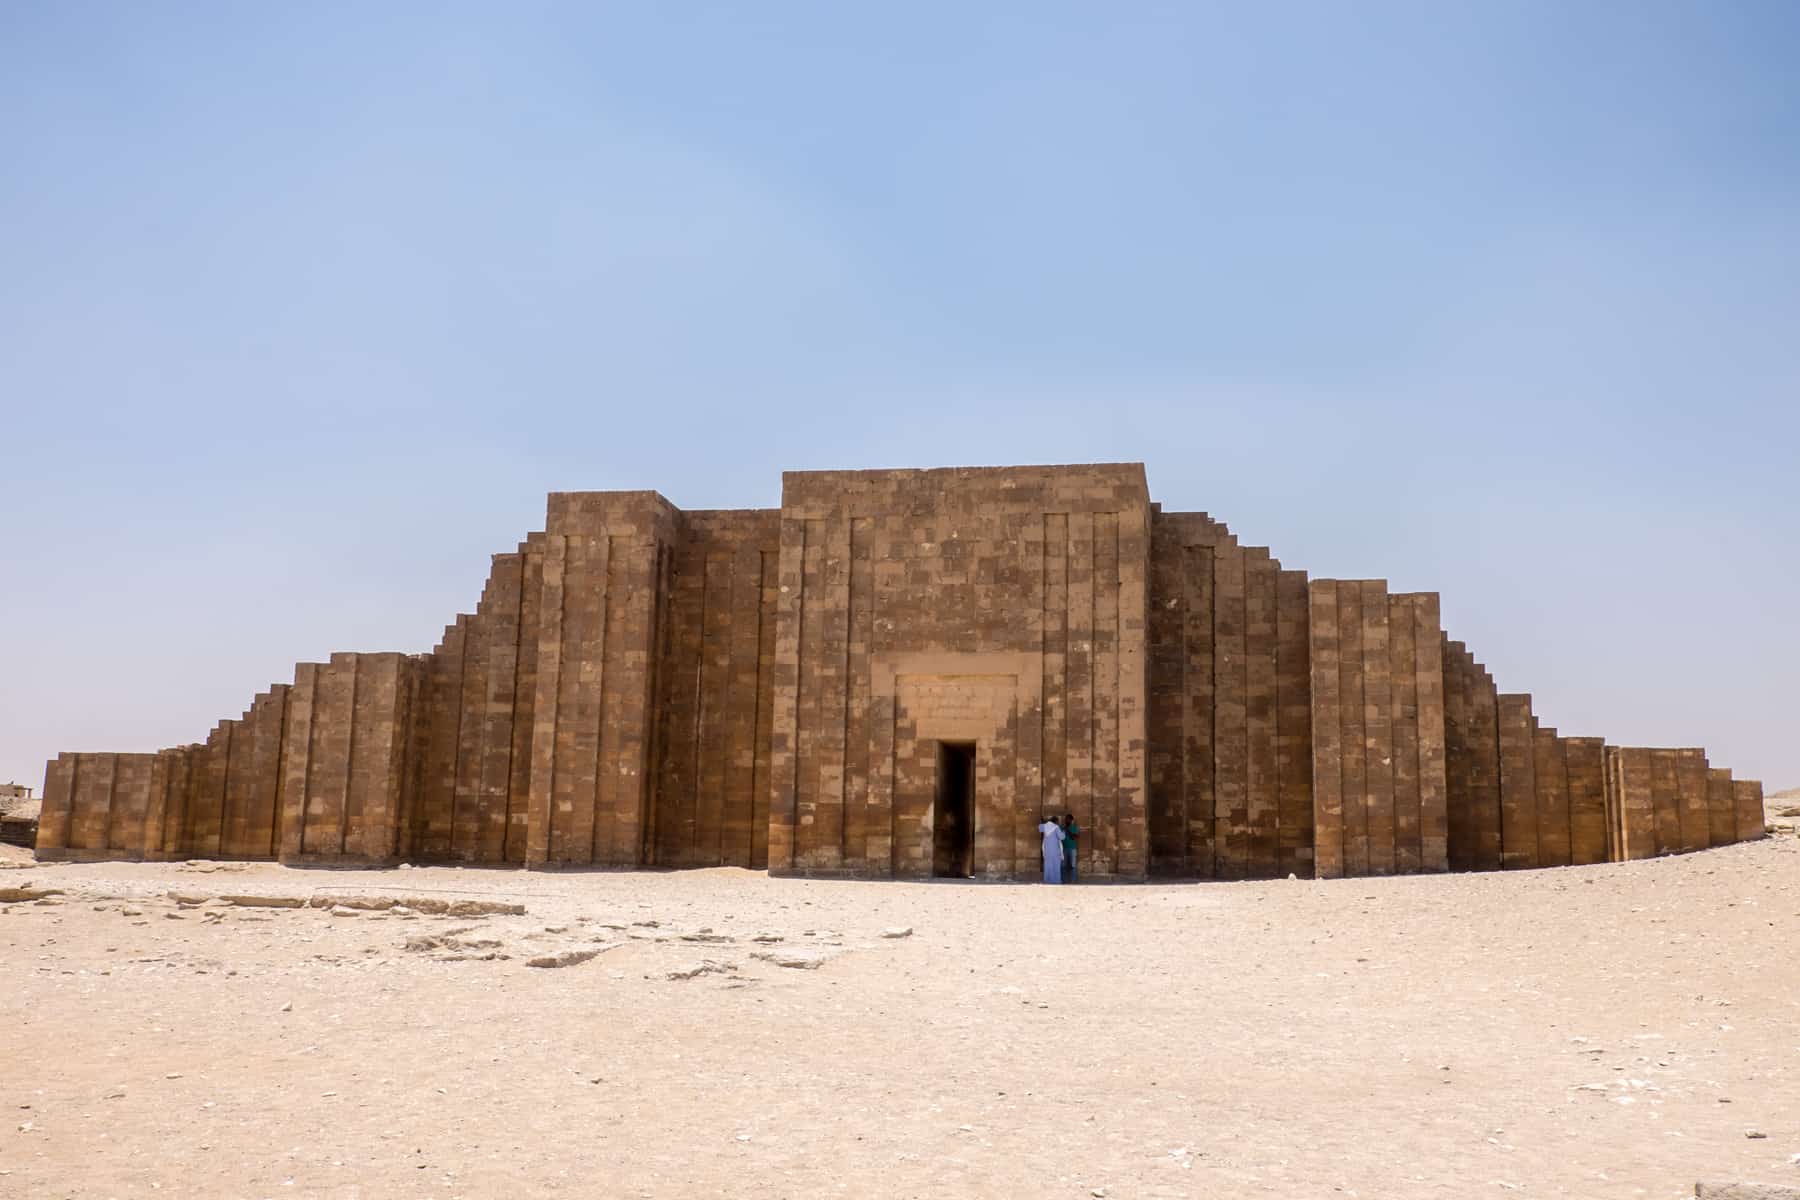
303 309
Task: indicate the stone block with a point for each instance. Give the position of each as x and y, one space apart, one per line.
1751 822
1518 783
1692 801
1327 729
1585 763
1552 776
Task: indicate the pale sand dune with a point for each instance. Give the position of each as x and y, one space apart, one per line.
1599 1032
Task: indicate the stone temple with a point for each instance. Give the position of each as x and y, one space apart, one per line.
893 675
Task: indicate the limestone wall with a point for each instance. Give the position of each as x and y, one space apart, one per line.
1523 796
1472 761
1378 711
527 734
718 669
535 736
77 815
641 686
606 565
1230 717
471 738
1661 801
1002 607
343 759
311 772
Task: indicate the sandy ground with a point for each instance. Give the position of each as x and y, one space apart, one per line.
1595 1032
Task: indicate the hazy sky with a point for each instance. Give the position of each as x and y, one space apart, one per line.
304 308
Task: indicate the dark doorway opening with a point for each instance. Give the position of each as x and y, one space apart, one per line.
953 823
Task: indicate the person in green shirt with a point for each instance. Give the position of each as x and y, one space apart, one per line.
1071 831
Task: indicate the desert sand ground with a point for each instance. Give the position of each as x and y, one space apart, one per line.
1609 1031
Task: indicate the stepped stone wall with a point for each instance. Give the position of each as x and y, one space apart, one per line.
1002 607
1379 750
719 664
312 772
642 686
1230 719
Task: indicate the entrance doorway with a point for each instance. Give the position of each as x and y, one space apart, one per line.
953 822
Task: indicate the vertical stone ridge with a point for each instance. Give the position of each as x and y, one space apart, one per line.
1432 735
1230 718
1325 638
713 692
1378 727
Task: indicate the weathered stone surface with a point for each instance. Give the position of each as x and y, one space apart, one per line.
798 960
787 689
1378 731
566 958
1744 1191
265 901
364 903
19 895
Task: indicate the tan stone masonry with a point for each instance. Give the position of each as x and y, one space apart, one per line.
642 686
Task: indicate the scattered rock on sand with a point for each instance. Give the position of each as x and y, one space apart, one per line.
799 960
704 967
451 946
265 901
474 908
423 904
897 931
366 903
13 895
567 958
